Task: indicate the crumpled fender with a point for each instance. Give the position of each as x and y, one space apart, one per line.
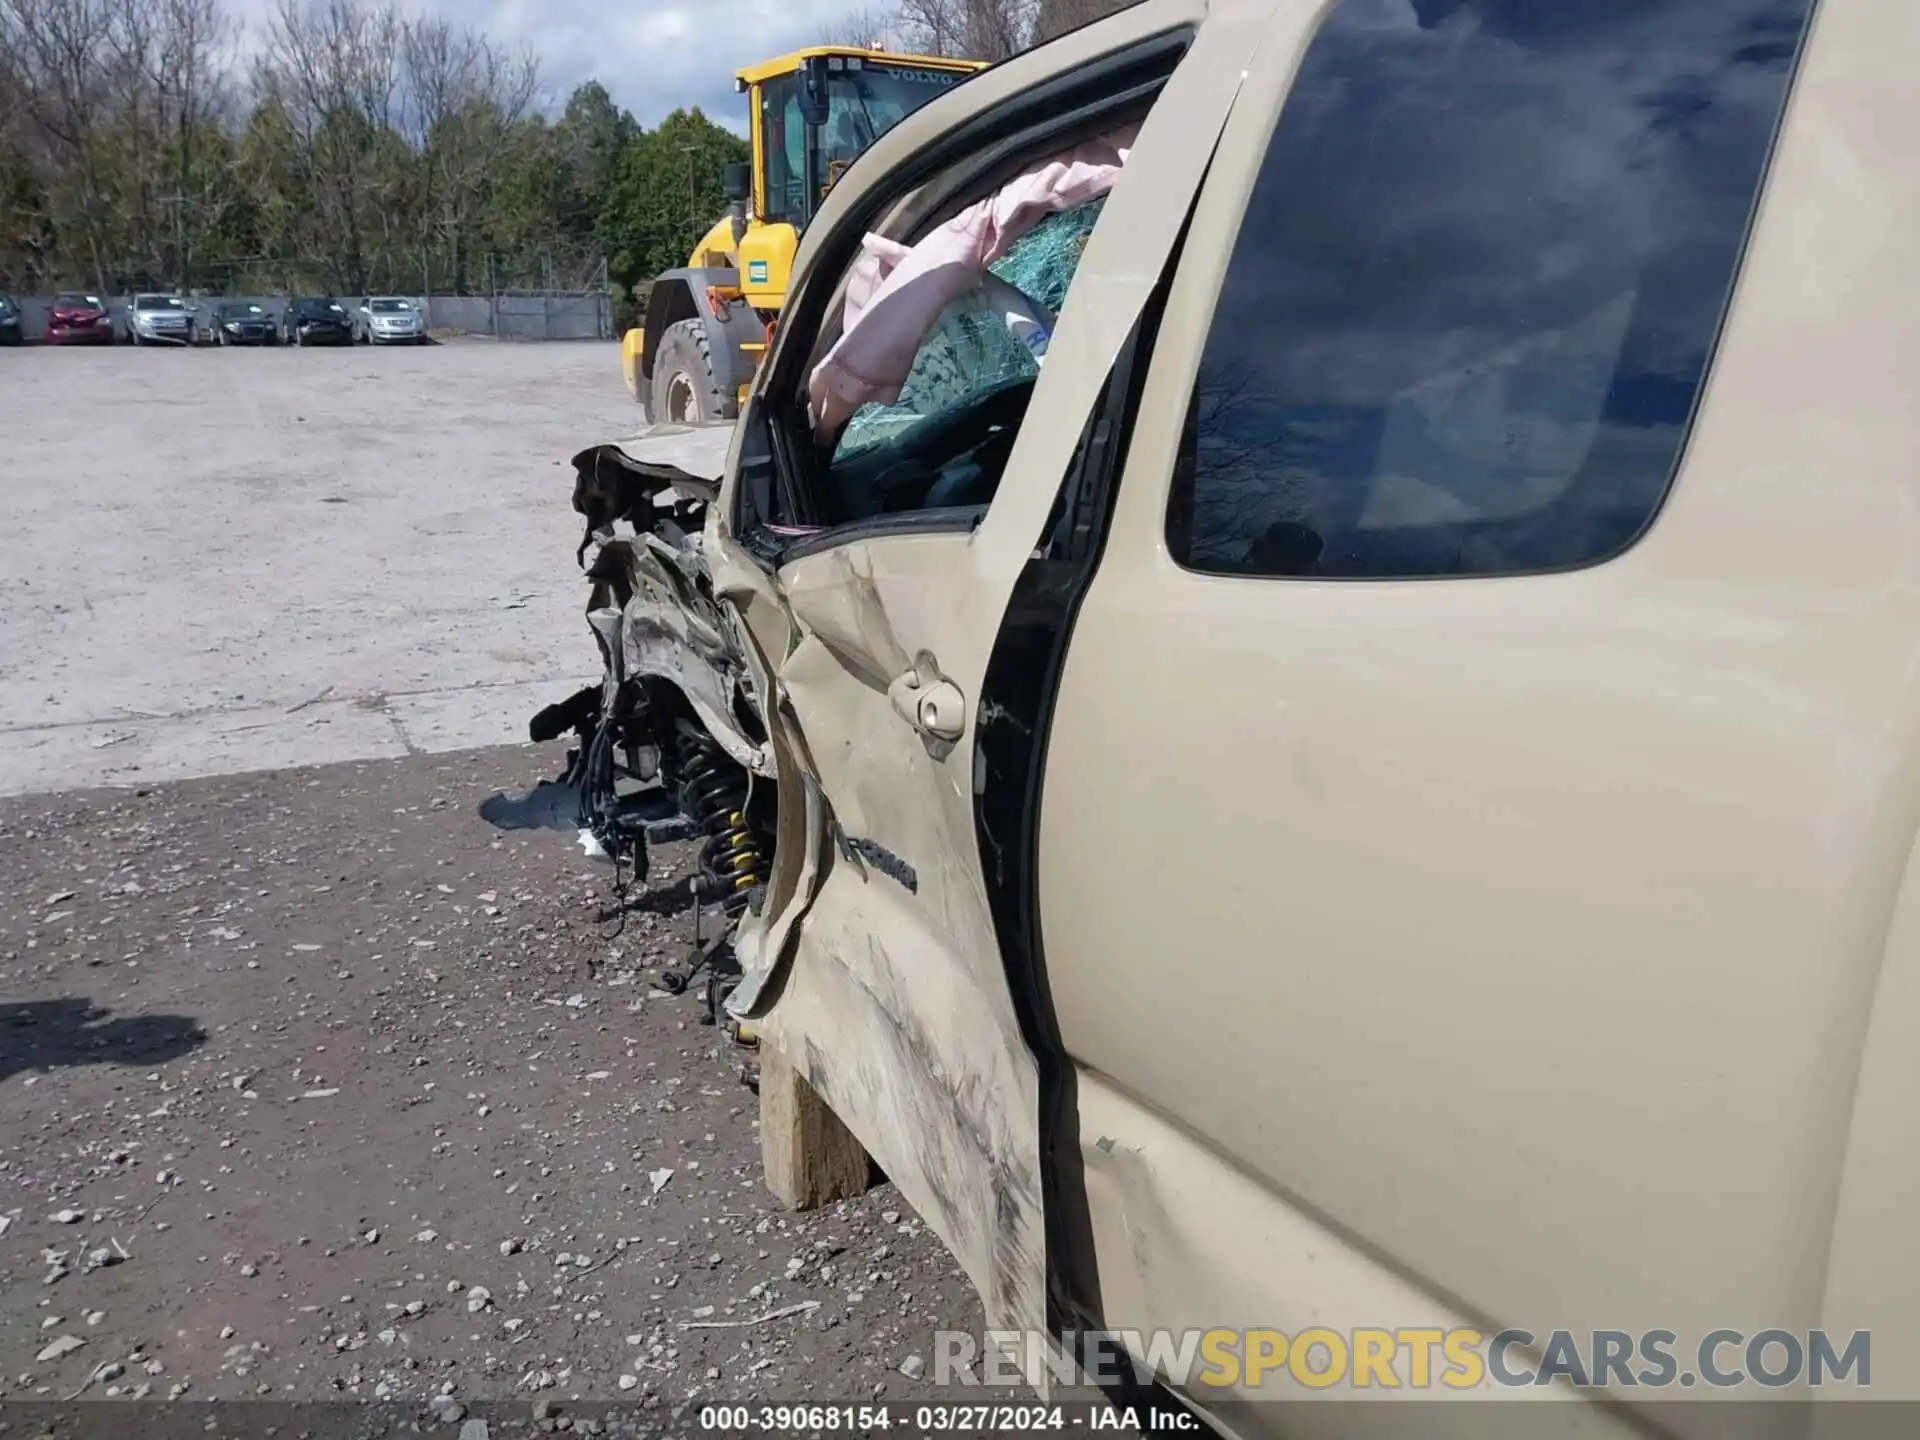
658 484
671 627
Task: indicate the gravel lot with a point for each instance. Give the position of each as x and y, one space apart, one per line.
313 1086
220 560
316 1087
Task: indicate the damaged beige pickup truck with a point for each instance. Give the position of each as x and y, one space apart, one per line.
1343 762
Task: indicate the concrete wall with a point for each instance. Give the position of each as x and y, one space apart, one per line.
585 316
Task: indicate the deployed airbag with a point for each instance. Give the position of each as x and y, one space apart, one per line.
897 292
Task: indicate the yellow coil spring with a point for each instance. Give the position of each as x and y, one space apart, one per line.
736 857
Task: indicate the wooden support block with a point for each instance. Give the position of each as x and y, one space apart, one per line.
809 1157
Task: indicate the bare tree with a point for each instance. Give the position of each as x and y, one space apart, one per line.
971 29
464 101
1057 17
189 66
161 81
357 148
13 80
869 28
333 66
60 50
136 131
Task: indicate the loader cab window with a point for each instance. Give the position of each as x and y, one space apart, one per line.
785 135
867 100
864 101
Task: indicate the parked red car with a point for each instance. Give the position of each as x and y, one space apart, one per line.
79 319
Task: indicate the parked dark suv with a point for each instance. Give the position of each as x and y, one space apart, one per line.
9 321
316 320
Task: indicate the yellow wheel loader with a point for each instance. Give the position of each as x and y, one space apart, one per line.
693 354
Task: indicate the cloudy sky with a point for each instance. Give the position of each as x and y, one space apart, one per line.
654 56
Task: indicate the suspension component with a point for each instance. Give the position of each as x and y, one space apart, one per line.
731 861
713 792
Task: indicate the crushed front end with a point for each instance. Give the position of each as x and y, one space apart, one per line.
668 745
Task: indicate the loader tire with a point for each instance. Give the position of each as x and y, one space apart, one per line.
683 389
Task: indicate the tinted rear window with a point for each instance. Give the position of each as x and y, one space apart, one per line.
1478 283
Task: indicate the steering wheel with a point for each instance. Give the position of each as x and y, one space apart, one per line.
1026 318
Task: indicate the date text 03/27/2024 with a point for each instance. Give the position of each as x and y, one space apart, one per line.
912 1420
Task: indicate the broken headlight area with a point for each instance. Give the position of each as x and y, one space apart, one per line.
668 745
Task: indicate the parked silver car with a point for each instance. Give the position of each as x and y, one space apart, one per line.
160 320
391 319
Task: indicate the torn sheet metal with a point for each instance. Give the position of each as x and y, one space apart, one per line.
765 941
632 478
694 452
653 574
671 627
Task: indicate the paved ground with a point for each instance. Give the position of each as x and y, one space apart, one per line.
347 1095
221 560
